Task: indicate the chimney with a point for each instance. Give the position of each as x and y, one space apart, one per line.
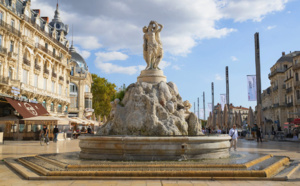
46 19
283 53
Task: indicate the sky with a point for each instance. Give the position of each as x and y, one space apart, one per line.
200 38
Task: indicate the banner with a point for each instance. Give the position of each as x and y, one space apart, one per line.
209 105
223 100
201 114
251 83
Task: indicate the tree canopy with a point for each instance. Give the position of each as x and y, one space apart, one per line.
103 91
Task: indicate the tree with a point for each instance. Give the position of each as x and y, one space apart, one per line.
103 91
120 93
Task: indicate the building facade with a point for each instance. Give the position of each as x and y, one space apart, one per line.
281 101
36 63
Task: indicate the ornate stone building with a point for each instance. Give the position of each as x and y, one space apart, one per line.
36 64
280 101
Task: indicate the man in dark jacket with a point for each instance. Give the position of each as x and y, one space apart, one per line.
258 135
55 132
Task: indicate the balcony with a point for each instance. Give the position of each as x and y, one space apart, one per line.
42 30
288 78
88 95
37 67
276 71
26 62
275 88
289 104
3 51
44 49
4 80
296 66
288 90
10 28
28 40
46 71
12 56
275 105
54 75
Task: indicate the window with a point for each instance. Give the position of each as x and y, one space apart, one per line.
10 73
52 107
12 23
298 94
45 84
297 76
72 71
73 96
11 49
35 80
73 88
1 16
36 40
25 76
59 108
59 89
46 46
53 51
53 87
88 103
0 41
87 88
44 104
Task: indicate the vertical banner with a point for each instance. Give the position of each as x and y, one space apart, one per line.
251 84
223 100
209 105
201 113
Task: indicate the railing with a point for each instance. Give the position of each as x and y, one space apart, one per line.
54 75
275 105
279 70
88 95
289 104
61 78
3 50
296 66
288 90
46 71
26 61
288 78
37 67
4 79
48 35
10 28
44 49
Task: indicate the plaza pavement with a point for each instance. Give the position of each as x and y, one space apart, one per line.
15 149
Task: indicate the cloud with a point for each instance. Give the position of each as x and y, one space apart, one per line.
175 67
84 53
89 42
233 58
111 56
117 25
271 27
102 59
164 64
218 77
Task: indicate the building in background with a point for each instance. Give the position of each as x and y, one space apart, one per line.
281 101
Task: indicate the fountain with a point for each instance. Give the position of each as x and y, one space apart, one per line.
152 122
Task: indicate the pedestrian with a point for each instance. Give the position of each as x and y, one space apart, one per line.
233 133
89 130
55 132
258 135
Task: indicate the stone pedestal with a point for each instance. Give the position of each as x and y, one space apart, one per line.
152 76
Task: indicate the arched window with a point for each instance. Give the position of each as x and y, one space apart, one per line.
59 108
52 107
44 104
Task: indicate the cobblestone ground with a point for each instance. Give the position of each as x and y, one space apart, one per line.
15 149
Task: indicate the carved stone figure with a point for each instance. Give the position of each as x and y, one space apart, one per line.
152 47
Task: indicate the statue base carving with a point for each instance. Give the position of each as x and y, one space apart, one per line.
152 76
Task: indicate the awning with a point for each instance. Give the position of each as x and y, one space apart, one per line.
30 51
45 119
10 118
28 110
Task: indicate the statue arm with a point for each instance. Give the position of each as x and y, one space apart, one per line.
161 27
156 26
145 42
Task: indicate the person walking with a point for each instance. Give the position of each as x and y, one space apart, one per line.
233 133
45 132
258 135
55 132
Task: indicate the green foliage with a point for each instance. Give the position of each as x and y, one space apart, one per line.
103 92
120 93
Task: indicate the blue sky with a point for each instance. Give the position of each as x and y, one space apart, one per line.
199 38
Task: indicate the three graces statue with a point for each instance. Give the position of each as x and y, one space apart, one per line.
153 51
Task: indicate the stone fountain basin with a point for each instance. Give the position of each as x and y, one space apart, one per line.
150 148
